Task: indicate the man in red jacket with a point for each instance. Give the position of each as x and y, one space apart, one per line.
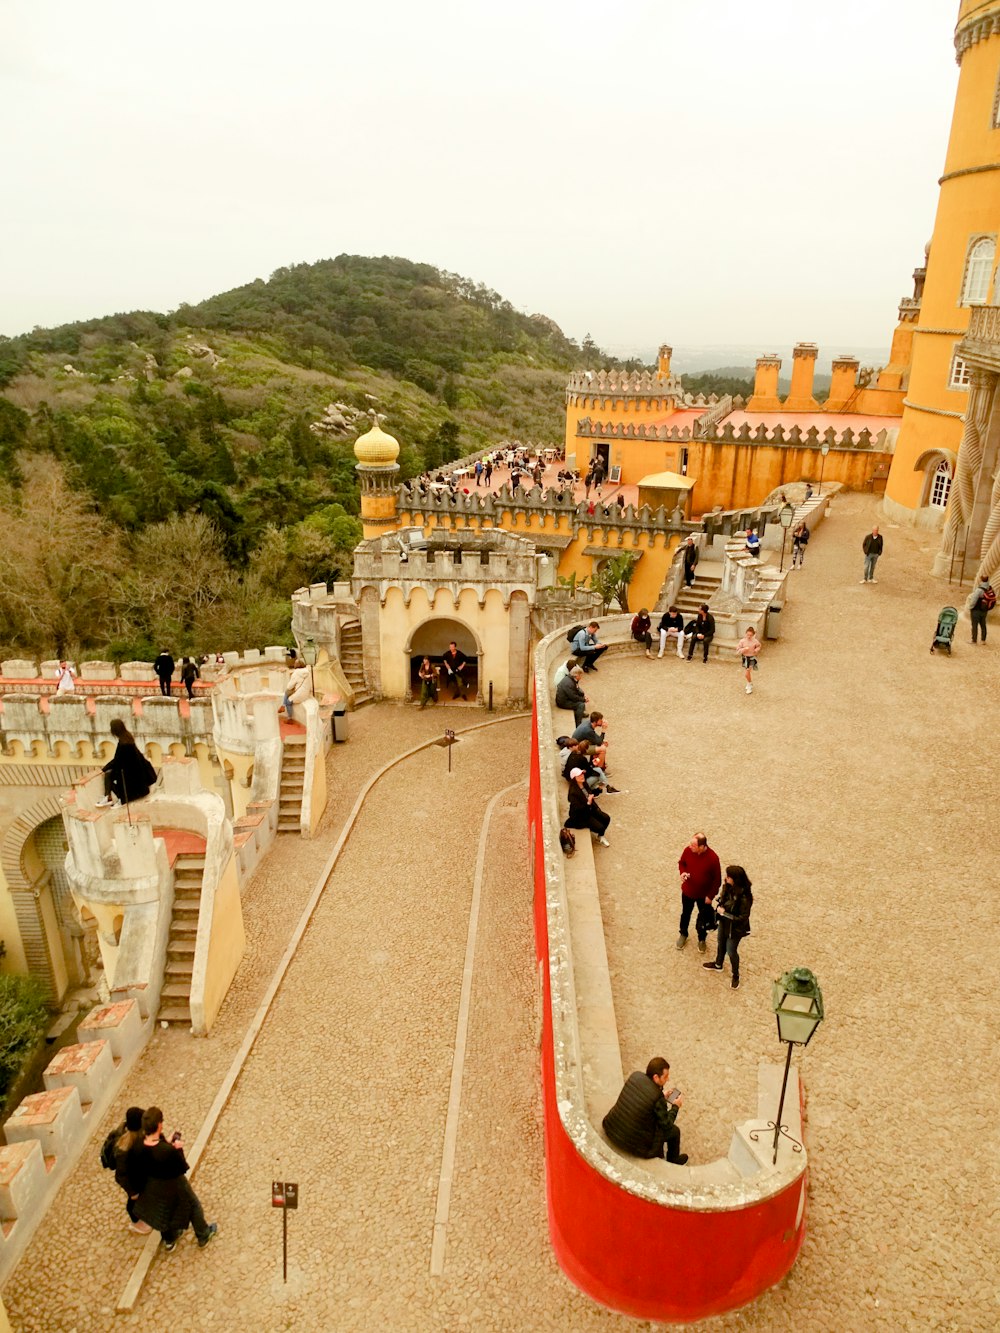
701 879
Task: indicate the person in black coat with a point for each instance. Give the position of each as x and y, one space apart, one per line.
129 1138
732 908
189 674
164 668
128 774
700 630
584 812
569 694
641 1121
690 561
166 1202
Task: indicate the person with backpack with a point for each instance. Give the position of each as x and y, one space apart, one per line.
166 1201
115 1149
586 646
189 674
980 604
800 540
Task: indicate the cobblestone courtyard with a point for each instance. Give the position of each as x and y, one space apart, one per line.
856 785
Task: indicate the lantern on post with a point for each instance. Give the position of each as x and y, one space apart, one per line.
824 450
309 655
786 515
798 1007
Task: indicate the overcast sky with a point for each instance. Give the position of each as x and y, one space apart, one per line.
700 173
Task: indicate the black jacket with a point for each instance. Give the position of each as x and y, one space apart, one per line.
640 1111
736 903
164 666
667 621
705 627
690 556
872 545
132 774
569 694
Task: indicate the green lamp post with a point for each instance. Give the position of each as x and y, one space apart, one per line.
309 654
798 1006
786 515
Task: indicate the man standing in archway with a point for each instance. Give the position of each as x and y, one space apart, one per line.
454 663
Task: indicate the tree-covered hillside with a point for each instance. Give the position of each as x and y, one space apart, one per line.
210 425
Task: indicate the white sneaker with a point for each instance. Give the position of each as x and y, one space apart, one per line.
873 580
749 689
104 802
604 842
659 655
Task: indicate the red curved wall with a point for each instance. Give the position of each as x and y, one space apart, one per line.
643 1258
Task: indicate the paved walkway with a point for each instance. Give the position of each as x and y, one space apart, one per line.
854 785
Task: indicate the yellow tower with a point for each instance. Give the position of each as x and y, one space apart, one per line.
377 470
961 275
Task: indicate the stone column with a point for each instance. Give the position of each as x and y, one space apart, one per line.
988 496
964 489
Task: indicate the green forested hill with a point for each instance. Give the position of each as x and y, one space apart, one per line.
161 432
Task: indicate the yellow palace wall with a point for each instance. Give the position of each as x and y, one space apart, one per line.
968 207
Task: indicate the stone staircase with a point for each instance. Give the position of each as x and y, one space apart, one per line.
175 998
705 583
352 661
293 777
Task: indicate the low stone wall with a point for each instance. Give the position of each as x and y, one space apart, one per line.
653 1240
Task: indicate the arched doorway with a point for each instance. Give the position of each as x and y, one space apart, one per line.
431 639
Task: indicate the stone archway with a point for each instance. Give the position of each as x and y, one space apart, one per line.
431 637
40 941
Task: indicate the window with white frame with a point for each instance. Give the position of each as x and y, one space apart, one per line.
961 375
940 486
978 270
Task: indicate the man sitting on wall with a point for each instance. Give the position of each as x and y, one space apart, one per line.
641 1121
586 647
569 694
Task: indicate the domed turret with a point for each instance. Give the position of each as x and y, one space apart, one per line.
377 471
375 448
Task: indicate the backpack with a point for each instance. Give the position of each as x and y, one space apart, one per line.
567 841
571 635
108 1147
989 598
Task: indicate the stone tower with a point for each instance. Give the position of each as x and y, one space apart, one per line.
377 471
961 276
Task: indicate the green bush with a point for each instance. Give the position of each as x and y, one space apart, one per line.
24 1018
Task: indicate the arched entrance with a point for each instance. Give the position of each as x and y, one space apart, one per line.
431 639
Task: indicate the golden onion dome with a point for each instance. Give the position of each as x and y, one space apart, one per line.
376 448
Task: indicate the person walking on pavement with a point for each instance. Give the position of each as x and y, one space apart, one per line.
800 540
128 1138
701 876
872 547
642 1120
453 664
749 646
478 469
690 560
189 674
158 1175
732 907
981 602
701 630
164 669
428 683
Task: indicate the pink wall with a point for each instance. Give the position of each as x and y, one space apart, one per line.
643 1258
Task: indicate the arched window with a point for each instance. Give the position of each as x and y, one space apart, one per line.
978 270
940 486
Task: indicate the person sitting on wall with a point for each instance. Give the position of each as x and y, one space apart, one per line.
128 774
578 756
671 626
588 731
584 812
642 1120
641 624
454 663
753 544
586 646
701 630
570 695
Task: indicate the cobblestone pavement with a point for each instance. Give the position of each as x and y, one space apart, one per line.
852 785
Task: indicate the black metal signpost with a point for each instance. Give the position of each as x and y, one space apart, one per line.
284 1195
448 740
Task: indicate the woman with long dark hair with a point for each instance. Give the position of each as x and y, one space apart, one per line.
126 1146
584 811
128 774
733 910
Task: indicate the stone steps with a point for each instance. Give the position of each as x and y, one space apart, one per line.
175 997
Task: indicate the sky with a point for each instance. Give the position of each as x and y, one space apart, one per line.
682 171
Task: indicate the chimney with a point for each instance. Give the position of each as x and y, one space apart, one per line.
800 397
663 362
765 386
843 381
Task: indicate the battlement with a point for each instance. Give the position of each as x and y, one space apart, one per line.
624 383
75 726
492 557
539 510
790 436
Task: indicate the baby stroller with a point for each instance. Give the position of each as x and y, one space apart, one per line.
943 635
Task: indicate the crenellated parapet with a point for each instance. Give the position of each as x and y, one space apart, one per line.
789 436
624 384
494 560
72 726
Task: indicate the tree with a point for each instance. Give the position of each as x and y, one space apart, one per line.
613 578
